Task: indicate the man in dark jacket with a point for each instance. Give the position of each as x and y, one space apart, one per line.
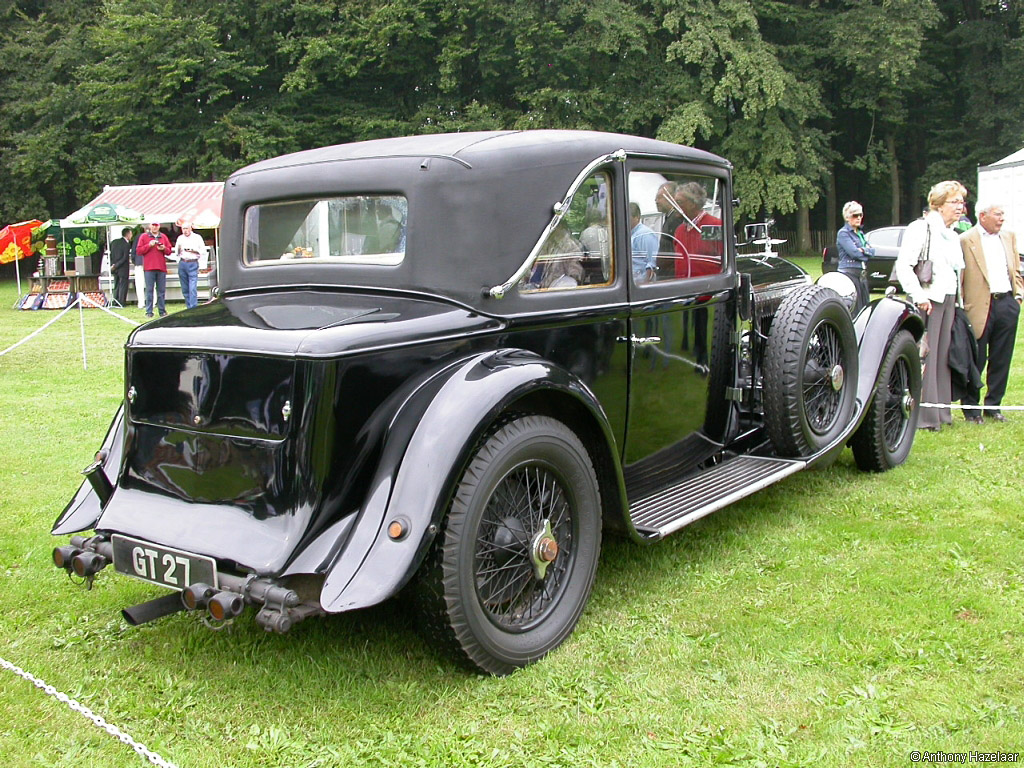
120 257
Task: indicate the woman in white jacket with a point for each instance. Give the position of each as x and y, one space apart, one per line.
937 299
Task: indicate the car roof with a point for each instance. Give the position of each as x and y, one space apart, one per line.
478 202
493 150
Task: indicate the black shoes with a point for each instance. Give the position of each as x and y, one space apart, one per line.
996 416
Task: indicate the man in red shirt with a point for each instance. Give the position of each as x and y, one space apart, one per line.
698 246
154 246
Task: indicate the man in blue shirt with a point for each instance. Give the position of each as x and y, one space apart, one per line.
643 245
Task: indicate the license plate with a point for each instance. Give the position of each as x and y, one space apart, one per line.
162 565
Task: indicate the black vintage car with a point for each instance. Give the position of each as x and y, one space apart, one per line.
446 365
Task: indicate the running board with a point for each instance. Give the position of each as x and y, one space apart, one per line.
669 509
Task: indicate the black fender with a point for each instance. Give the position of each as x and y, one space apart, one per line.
426 450
875 327
82 512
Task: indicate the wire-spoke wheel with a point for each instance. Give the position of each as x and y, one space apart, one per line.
810 371
514 566
886 435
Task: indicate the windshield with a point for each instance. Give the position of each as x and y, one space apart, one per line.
356 229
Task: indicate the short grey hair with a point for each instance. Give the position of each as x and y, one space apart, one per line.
694 192
986 206
852 207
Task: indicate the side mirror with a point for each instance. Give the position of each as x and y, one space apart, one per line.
711 232
756 232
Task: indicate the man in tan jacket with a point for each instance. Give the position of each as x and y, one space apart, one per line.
992 293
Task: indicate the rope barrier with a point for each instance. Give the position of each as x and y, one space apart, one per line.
92 303
958 406
38 330
80 301
83 710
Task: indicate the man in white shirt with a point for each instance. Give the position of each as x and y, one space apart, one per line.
189 248
992 292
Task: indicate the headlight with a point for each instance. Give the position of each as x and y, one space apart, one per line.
841 284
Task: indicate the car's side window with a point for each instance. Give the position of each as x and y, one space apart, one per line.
675 226
884 237
578 252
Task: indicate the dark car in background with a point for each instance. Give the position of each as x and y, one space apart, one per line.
436 369
886 242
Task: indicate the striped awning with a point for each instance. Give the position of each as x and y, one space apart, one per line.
198 202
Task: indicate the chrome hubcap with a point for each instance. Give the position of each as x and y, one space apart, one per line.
837 376
543 549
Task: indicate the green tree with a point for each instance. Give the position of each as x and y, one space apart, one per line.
162 89
44 125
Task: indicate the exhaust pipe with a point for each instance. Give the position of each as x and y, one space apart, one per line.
153 609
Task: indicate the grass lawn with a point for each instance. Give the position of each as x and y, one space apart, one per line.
836 619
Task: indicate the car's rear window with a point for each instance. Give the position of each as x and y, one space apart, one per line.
356 229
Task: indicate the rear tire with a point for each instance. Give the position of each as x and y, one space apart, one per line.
886 435
512 571
810 372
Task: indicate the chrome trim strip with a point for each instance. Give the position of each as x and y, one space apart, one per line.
560 209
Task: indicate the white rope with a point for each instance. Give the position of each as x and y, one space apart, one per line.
958 406
68 308
98 721
88 300
38 330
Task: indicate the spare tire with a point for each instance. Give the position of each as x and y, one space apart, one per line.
810 372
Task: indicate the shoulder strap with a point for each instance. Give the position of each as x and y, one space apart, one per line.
927 247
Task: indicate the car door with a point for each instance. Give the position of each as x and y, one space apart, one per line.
886 242
678 368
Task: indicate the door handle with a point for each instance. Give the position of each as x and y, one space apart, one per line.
641 341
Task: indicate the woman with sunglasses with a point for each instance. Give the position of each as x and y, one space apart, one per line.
854 251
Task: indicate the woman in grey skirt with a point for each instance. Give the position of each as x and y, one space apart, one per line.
933 233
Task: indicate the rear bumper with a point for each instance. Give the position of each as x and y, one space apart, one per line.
280 603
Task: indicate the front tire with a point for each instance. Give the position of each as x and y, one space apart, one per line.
513 569
886 435
810 377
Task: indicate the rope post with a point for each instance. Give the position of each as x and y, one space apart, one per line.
81 322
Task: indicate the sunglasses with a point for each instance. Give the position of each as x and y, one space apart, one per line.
856 215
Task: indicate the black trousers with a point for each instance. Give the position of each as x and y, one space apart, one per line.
121 286
996 347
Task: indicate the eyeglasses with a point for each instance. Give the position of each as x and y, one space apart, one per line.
955 202
856 215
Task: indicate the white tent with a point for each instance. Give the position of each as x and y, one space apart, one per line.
1003 182
198 202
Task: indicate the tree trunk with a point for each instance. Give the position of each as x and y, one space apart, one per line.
831 211
803 227
894 177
